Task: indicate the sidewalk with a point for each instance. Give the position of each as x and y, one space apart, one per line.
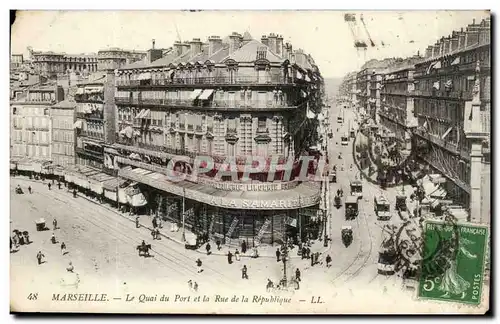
145 221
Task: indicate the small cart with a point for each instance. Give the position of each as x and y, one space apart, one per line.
40 224
346 235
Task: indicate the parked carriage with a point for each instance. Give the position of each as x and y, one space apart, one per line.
351 207
346 235
332 176
382 208
40 224
191 242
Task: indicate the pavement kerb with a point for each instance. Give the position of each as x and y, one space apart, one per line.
323 250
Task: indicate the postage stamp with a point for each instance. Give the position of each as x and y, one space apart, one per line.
453 262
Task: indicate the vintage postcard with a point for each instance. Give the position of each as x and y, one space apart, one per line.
250 162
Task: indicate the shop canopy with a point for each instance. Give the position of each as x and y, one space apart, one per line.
206 94
78 124
196 93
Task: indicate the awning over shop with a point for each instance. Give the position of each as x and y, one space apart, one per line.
303 195
139 115
127 132
78 124
195 93
80 90
206 94
113 184
146 114
145 76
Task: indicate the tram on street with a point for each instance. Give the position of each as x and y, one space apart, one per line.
357 188
344 140
351 207
382 208
387 262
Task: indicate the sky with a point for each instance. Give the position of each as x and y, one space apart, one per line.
323 34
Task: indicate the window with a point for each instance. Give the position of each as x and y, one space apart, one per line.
262 123
261 76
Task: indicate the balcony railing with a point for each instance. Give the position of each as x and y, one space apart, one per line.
250 80
457 94
91 134
223 104
262 130
190 128
210 129
89 98
97 155
198 129
90 116
231 130
37 128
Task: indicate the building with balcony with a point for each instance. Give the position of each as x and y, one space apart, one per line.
30 139
115 58
396 106
452 103
63 134
50 63
236 97
16 61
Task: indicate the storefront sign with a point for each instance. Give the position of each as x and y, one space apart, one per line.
231 186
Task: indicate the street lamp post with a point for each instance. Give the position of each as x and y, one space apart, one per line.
183 214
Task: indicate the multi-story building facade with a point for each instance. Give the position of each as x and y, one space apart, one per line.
363 79
31 123
374 86
114 58
63 134
89 124
397 106
236 98
16 61
452 104
50 63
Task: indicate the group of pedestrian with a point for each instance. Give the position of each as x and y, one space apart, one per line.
155 233
40 256
340 192
193 285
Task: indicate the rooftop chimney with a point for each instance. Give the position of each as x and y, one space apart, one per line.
279 45
154 54
178 48
272 42
264 40
185 47
195 46
234 42
214 44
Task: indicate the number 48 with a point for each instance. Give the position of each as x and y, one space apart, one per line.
33 296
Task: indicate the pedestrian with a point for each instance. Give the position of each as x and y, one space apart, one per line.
328 260
53 239
278 255
157 234
70 267
155 223
312 260
229 257
218 244
160 223
49 185
54 222
297 274
29 189
74 193
338 192
63 248
237 255
199 264
244 247
195 287
153 234
208 247
244 274
190 284
39 257
137 225
303 254
59 185
308 252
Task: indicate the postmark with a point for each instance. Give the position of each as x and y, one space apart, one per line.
453 262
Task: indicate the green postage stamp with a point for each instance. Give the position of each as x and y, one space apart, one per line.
453 262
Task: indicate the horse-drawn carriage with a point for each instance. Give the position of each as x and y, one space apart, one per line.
330 133
351 207
346 235
40 224
191 242
144 249
332 176
19 191
338 202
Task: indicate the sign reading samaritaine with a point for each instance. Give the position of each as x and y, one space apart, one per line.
453 262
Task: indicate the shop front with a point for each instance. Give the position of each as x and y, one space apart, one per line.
256 213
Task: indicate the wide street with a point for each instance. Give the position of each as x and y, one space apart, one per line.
101 244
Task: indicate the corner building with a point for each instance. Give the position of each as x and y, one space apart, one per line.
233 97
